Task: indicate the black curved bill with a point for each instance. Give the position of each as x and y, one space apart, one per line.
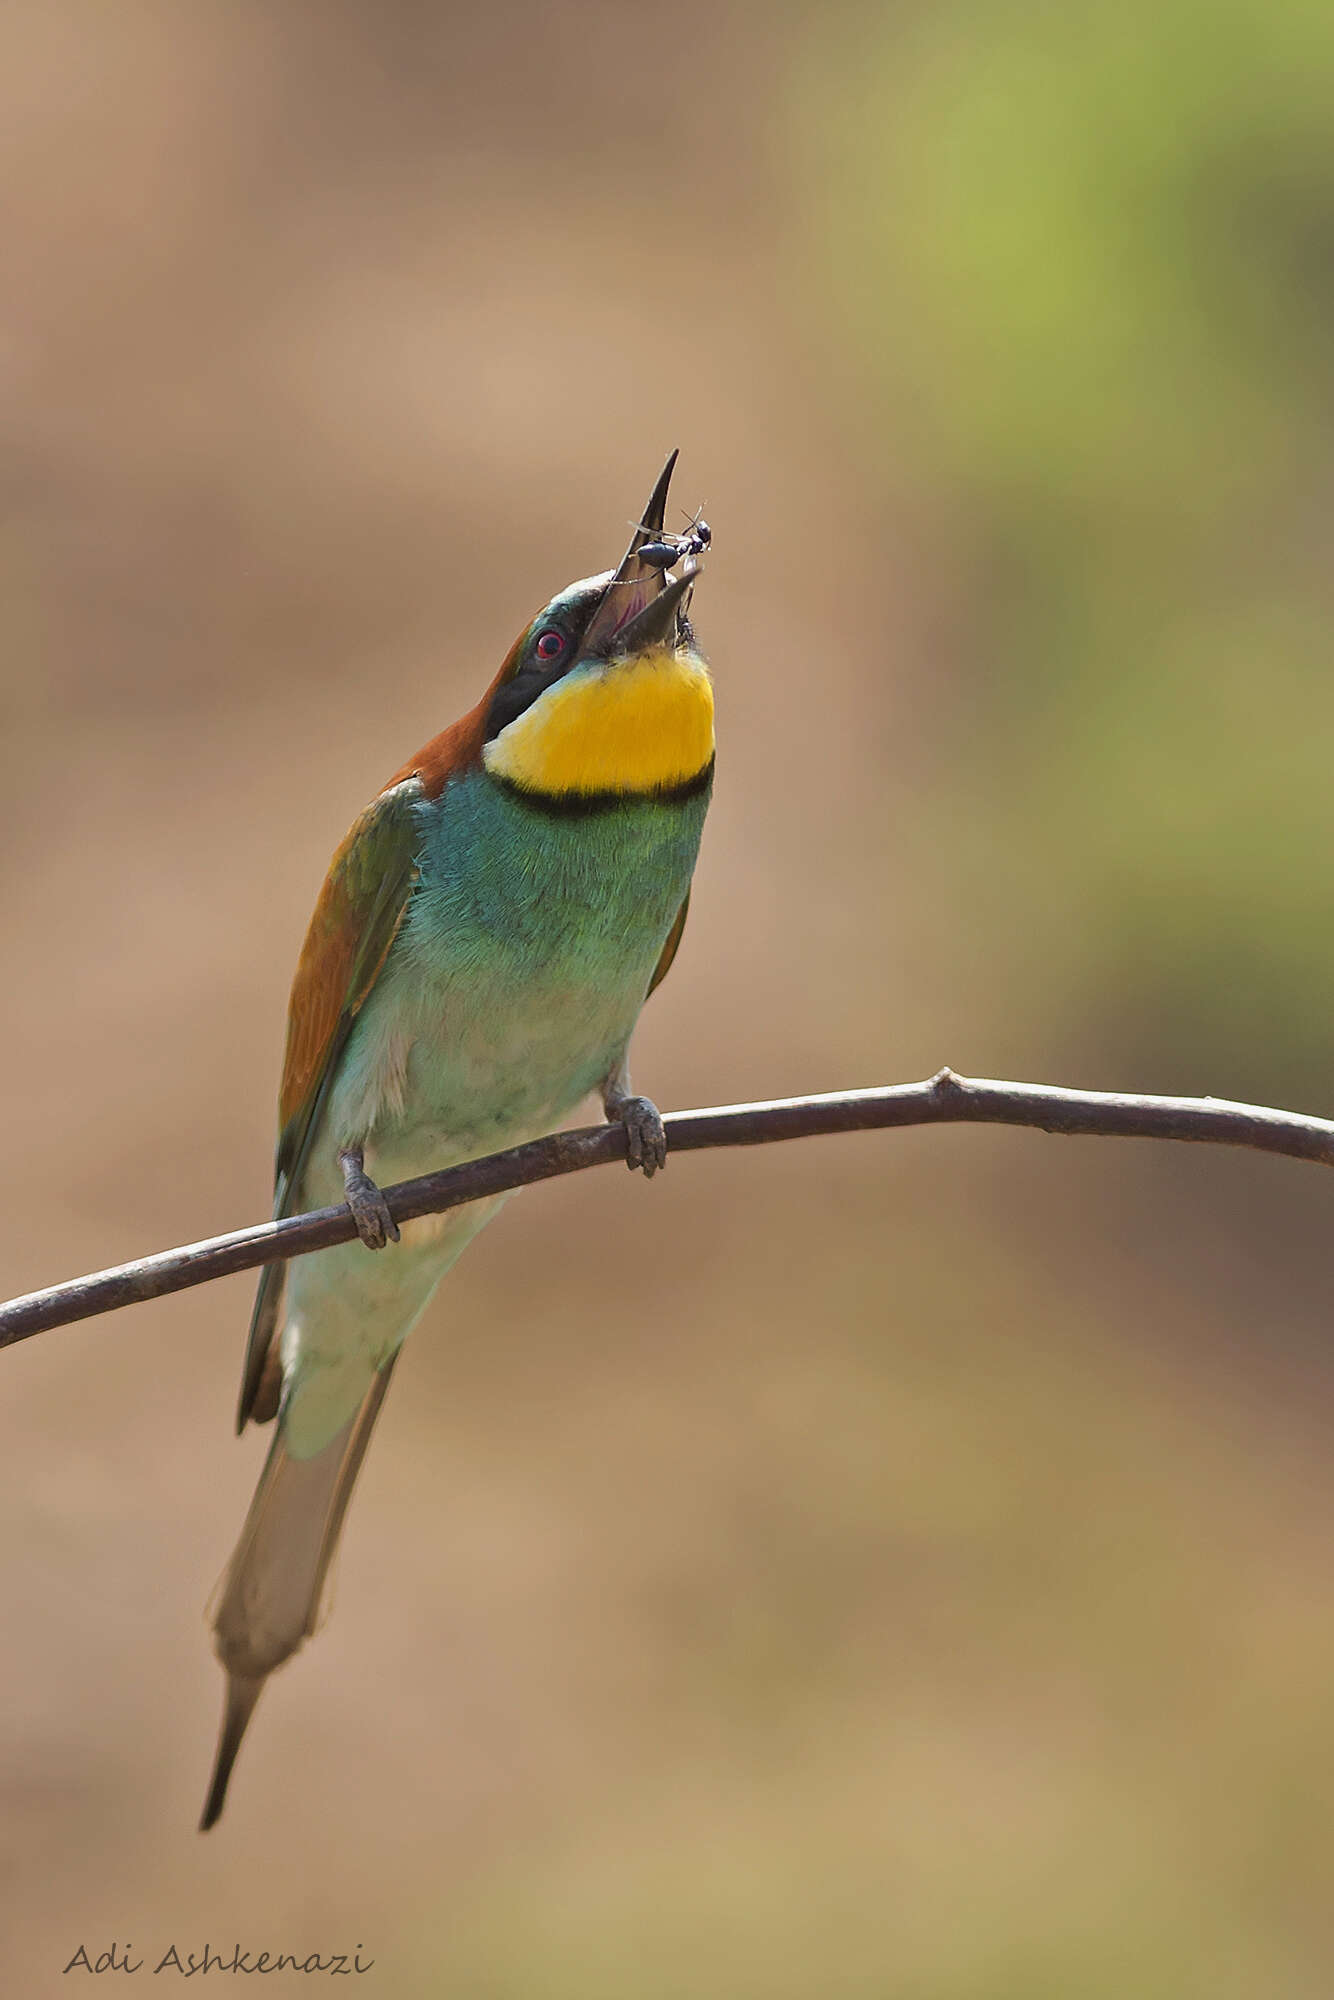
654 517
636 586
656 624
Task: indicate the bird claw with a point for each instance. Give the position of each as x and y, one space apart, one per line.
645 1134
370 1210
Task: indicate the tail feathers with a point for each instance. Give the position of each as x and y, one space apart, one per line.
271 1596
262 1376
237 1710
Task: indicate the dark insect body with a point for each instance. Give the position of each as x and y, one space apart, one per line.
666 550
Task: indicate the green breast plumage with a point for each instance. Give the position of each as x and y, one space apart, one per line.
518 974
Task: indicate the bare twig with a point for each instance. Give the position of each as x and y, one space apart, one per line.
945 1099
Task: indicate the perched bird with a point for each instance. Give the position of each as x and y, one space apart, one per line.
482 946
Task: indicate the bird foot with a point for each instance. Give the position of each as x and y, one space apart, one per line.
370 1210
645 1133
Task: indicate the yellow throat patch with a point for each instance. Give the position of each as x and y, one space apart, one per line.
641 725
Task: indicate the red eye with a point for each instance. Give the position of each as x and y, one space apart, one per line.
550 646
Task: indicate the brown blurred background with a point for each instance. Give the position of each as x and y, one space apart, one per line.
900 1565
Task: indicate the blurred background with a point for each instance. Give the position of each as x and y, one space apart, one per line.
926 1586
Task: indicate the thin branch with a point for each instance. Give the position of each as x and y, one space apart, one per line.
945 1099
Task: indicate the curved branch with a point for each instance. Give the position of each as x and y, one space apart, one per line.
945 1099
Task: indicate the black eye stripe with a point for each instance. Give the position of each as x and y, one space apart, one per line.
565 618
533 677
520 693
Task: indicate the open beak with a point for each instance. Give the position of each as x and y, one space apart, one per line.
640 606
656 624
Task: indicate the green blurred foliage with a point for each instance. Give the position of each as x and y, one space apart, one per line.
1085 257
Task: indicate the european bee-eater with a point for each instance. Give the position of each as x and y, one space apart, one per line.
478 957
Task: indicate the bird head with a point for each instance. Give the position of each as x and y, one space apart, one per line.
604 695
